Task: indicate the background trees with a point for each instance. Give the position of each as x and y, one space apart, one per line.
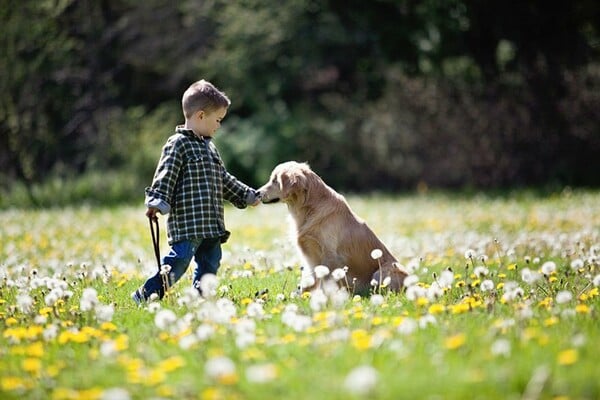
377 95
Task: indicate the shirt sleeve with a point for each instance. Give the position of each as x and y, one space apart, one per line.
235 191
160 193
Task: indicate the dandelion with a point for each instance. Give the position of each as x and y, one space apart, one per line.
164 319
24 303
596 280
221 369
410 280
321 271
209 284
262 373
456 341
377 300
530 277
577 264
104 313
318 300
481 271
501 347
470 254
486 285
165 269
386 282
568 357
548 268
407 326
446 279
338 274
115 394
376 254
564 296
89 299
361 380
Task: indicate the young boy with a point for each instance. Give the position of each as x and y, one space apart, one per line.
190 184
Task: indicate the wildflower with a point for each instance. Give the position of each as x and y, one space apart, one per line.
386 282
446 279
470 254
361 380
548 268
436 309
486 285
321 271
568 357
410 280
104 313
89 299
377 300
262 373
577 264
501 347
529 277
596 280
115 394
563 296
164 319
165 269
209 285
455 341
407 326
376 254
582 309
205 332
318 300
338 274
221 369
480 271
24 303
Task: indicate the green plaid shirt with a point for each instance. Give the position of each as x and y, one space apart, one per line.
190 183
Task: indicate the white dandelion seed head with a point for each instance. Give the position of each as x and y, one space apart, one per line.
596 280
469 254
321 271
577 264
164 319
338 274
407 326
218 367
410 280
386 282
480 271
374 282
377 300
548 268
318 300
209 284
104 312
376 254
446 278
530 277
501 347
564 296
487 285
261 373
361 380
115 394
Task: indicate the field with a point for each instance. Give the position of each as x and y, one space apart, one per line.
503 303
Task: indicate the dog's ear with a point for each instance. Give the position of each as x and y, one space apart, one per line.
290 183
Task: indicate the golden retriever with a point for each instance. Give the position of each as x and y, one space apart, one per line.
328 232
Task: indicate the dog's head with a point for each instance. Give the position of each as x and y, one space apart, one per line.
288 180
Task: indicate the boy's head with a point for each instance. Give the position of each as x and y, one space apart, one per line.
203 96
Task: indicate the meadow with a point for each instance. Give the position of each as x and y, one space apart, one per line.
502 303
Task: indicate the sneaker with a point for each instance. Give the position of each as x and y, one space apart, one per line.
137 297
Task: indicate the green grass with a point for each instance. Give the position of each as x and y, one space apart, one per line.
477 344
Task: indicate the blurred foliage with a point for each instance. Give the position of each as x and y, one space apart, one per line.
385 95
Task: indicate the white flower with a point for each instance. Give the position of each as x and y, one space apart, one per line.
318 300
410 280
596 280
24 303
338 274
415 292
361 380
487 285
374 282
470 254
529 276
89 299
548 267
104 313
386 282
427 320
407 326
209 284
377 300
204 332
164 319
376 254
108 348
255 310
219 367
564 296
306 280
446 278
165 269
501 347
50 333
577 264
321 271
187 342
480 271
115 394
261 373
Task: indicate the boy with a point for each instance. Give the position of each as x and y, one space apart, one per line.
190 184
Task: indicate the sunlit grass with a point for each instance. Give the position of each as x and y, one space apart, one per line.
503 304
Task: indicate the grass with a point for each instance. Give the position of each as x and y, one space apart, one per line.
512 337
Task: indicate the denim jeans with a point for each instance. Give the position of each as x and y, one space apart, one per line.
206 254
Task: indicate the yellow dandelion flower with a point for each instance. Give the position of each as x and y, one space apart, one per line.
155 377
360 339
546 303
459 308
32 365
11 321
550 321
501 275
121 342
553 278
568 357
171 364
306 295
228 379
10 383
511 267
35 350
500 285
211 393
377 320
245 301
582 309
455 341
46 311
108 326
165 391
436 309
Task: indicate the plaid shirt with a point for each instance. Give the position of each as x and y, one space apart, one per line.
190 183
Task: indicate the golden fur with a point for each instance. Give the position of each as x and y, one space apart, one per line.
327 230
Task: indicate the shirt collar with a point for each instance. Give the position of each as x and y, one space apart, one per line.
188 132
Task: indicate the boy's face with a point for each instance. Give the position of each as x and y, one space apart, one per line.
207 123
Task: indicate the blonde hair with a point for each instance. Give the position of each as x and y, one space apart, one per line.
203 95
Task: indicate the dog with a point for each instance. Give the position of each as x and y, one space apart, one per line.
328 232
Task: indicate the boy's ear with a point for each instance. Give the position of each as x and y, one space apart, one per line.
200 114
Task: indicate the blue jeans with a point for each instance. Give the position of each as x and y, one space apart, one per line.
206 254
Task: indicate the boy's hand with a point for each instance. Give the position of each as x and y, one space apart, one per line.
151 213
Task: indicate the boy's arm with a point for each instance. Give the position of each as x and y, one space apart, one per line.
159 194
238 193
